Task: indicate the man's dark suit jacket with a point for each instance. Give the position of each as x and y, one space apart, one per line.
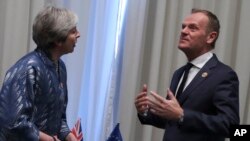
210 103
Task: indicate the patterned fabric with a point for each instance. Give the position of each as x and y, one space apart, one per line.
33 97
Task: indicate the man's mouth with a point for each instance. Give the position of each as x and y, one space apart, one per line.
183 39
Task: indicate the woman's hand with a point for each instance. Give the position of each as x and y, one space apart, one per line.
46 137
71 137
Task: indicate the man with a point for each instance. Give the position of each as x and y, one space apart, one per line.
203 107
33 98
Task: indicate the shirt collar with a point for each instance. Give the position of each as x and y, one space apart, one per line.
200 61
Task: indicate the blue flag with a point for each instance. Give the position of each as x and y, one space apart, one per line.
115 134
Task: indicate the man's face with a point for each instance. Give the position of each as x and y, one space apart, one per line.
193 38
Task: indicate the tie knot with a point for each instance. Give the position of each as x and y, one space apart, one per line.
188 66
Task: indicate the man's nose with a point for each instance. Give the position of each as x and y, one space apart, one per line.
184 30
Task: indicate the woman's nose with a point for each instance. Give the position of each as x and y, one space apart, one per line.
77 34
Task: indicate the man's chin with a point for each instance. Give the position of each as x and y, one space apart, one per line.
182 47
184 44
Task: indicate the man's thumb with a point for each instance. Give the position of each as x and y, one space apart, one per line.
170 94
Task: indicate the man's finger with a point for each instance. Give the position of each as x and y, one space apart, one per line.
157 97
145 88
170 94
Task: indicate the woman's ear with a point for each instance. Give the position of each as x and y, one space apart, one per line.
211 37
58 43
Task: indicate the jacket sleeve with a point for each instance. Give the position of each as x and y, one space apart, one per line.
154 120
64 131
17 103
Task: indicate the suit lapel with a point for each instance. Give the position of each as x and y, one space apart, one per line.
176 78
205 72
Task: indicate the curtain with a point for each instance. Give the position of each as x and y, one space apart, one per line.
15 30
94 67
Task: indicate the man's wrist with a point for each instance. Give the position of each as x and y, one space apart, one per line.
181 118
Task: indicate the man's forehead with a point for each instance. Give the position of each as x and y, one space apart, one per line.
196 18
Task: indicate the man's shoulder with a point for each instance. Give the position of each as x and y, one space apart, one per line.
214 61
224 66
224 70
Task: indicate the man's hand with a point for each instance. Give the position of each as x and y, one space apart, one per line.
141 101
166 108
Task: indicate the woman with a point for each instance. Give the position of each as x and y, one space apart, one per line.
33 98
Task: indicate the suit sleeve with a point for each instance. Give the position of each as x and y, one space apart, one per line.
226 102
154 120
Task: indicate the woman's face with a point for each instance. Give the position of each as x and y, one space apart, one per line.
69 44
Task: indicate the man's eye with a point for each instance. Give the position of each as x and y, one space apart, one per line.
193 28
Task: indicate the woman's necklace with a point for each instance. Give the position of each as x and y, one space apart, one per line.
56 63
57 67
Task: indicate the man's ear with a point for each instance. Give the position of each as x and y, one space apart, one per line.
211 37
